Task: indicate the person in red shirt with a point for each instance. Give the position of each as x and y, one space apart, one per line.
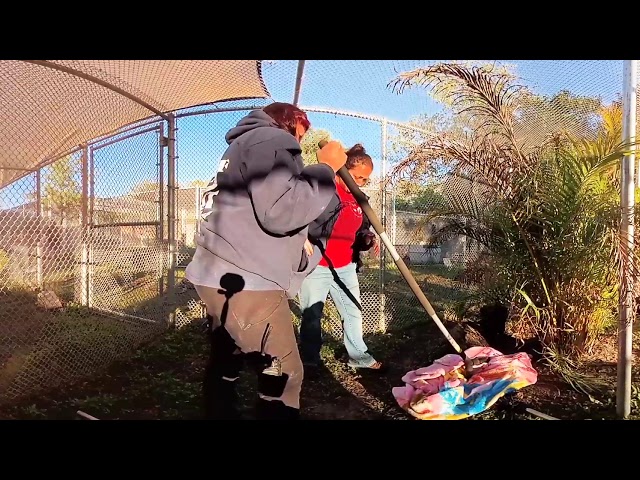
340 234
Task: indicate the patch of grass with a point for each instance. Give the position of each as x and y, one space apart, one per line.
41 349
69 345
163 381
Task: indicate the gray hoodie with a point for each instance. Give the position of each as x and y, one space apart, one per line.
257 208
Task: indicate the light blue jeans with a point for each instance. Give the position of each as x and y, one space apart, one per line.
313 295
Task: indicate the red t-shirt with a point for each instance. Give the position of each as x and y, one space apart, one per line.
343 235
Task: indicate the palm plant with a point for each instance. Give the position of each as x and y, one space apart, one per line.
547 213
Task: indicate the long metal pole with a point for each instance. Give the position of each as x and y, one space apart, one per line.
39 259
363 201
160 232
86 231
627 203
171 213
382 318
91 223
296 93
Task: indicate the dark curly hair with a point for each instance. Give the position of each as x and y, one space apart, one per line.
357 155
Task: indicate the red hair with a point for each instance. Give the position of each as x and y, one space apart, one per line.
287 116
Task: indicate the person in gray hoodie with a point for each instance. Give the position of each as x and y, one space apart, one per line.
250 257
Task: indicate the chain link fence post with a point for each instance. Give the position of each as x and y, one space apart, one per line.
160 230
382 320
86 233
39 265
171 215
91 240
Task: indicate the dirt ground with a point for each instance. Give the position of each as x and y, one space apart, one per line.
163 380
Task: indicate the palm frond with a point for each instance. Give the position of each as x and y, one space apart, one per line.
485 94
473 217
488 163
549 214
574 187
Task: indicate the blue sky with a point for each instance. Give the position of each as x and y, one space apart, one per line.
356 86
361 86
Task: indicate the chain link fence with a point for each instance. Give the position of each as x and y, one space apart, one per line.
93 246
83 263
387 301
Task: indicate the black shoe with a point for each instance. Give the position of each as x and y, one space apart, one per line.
312 371
275 410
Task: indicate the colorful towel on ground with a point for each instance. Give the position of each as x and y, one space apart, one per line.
441 391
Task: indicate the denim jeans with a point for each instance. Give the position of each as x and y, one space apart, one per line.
313 295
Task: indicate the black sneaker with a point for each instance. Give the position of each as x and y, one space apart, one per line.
311 371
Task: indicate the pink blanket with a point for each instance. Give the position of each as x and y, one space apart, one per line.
441 391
